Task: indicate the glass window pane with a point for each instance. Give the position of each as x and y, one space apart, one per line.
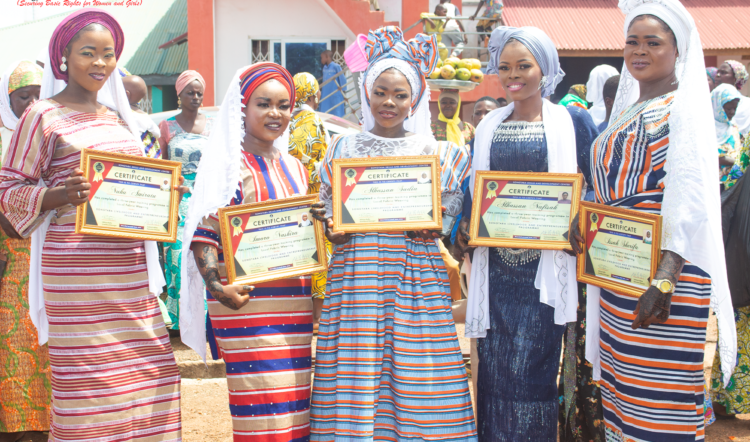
277 52
305 57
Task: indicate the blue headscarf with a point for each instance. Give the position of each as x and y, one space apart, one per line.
540 46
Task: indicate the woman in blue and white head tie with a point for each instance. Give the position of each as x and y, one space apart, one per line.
520 300
388 364
658 155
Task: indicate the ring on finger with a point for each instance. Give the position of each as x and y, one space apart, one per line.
79 194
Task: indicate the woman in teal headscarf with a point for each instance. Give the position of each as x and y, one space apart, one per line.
725 99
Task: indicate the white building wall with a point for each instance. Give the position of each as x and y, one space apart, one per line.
392 9
239 21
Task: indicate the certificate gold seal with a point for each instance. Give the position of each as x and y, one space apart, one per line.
491 190
98 169
594 219
350 174
236 226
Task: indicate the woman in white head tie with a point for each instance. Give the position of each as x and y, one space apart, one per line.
595 87
388 364
653 158
520 300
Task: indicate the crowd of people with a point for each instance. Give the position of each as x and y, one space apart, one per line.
85 347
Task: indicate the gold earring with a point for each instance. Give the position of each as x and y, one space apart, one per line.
179 103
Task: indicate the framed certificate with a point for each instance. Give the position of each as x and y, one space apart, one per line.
130 197
387 194
527 210
621 248
272 240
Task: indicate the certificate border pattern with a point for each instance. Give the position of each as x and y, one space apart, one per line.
174 167
397 226
575 179
226 237
647 218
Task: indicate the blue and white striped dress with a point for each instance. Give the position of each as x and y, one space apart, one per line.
388 362
652 379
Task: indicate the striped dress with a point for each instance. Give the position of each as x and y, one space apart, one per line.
114 376
652 379
388 363
266 344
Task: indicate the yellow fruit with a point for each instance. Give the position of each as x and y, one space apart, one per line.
439 63
477 76
476 64
435 74
453 61
463 74
447 72
465 64
443 51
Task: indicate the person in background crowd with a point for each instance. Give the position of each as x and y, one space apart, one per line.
389 366
609 91
24 364
734 73
449 126
453 29
113 369
263 333
598 76
482 108
433 25
576 97
136 90
184 138
649 350
502 101
333 104
493 13
725 99
308 143
735 207
711 77
519 331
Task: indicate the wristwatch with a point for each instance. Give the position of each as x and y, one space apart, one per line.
664 285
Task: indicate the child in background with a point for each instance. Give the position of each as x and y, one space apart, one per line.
436 26
493 12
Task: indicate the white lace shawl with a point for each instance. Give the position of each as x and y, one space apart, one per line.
691 226
556 275
156 281
216 183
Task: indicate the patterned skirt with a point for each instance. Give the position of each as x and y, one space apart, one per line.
24 365
652 379
114 375
266 348
735 397
388 363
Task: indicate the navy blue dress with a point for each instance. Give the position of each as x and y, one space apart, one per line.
517 397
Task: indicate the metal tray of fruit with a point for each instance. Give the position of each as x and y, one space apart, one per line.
461 86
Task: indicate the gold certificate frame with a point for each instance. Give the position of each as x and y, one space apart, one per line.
528 210
621 248
271 240
130 197
387 194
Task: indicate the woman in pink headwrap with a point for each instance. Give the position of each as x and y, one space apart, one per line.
183 138
114 375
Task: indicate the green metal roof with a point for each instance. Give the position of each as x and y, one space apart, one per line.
149 59
138 24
